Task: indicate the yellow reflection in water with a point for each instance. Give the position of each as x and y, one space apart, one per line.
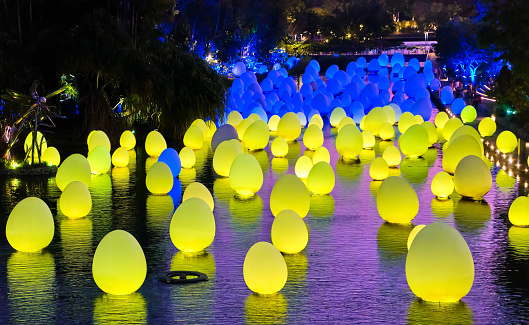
381 145
519 241
262 158
132 160
246 214
414 169
120 176
430 156
76 242
366 156
504 181
279 166
201 262
149 162
422 312
349 171
374 186
297 265
187 176
200 155
394 172
31 287
101 187
392 240
442 208
123 309
294 151
266 309
470 215
160 210
222 190
321 206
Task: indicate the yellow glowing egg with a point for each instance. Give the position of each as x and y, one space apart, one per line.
192 227
405 121
241 128
212 128
257 135
468 114
279 147
98 138
414 233
321 178
290 193
518 215
224 156
120 157
472 177
368 139
289 233
392 156
197 189
194 137
127 140
254 117
344 121
264 270
387 131
390 114
442 185
74 168
316 119
362 125
200 123
375 119
321 154
506 142
99 160
187 157
246 175
336 116
234 118
90 136
289 127
313 137
303 166
414 141
159 179
273 122
439 265
419 119
450 127
51 156
30 226
433 136
155 144
487 127
379 169
75 201
458 149
40 144
440 119
467 130
397 202
349 142
119 266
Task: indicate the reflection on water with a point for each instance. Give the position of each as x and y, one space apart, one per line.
222 190
149 162
246 214
279 166
262 158
187 176
200 262
349 172
519 241
321 206
442 208
297 265
422 312
471 216
505 181
76 242
366 156
374 186
160 210
125 309
392 240
266 309
430 156
415 170
294 152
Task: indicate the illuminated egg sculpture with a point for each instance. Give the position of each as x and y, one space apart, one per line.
120 157
264 270
171 158
321 154
279 147
442 185
439 265
74 168
51 156
468 114
30 226
98 138
487 127
419 119
223 133
224 156
379 169
375 119
155 144
313 137
246 175
433 135
440 119
518 215
241 128
203 126
468 130
458 149
257 135
321 178
100 160
75 201
472 177
397 202
368 139
316 119
289 233
406 120
387 131
119 266
194 137
506 142
344 121
336 116
234 118
450 127
390 114
414 142
349 142
159 179
289 127
290 193
303 166
392 156
187 157
273 122
414 233
192 227
197 189
127 140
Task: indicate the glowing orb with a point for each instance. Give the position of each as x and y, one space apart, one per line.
414 141
374 120
265 271
74 168
361 125
468 130
120 157
344 121
290 193
433 135
392 156
414 233
51 156
321 154
321 178
279 147
192 227
316 119
459 148
313 137
289 233
273 122
303 166
336 116
391 117
194 137
518 211
127 140
349 142
397 202
40 144
119 266
472 177
197 189
234 118
289 127
442 185
387 131
257 135
155 144
419 119
406 120
159 179
187 157
379 169
440 119
75 201
89 136
171 158
99 160
30 225
368 139
241 128
223 133
468 114
224 156
203 126
439 265
506 142
98 138
450 126
246 175
487 127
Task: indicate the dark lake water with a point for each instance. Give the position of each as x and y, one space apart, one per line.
352 271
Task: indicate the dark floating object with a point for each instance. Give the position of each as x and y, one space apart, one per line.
180 277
